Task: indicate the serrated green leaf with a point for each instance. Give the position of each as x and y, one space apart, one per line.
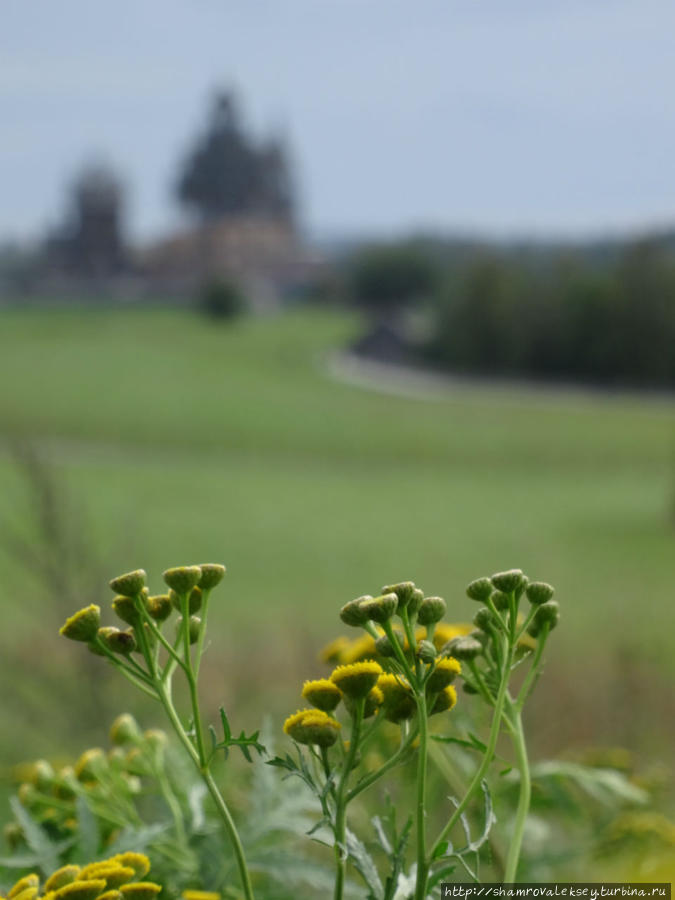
46 853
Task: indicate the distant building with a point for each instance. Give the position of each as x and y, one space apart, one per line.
262 254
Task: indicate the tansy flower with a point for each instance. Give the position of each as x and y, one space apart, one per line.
444 701
357 679
398 702
445 671
312 726
321 693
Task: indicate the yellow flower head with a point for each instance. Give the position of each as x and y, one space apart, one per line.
358 650
82 625
321 693
64 875
445 671
140 890
200 895
312 726
332 653
444 633
23 884
444 701
357 679
81 890
398 703
139 862
28 893
113 874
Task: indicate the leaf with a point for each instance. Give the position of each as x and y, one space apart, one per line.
364 865
381 836
606 786
245 744
46 853
89 836
136 838
195 799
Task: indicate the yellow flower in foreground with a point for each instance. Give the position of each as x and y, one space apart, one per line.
357 679
445 700
321 693
312 726
445 671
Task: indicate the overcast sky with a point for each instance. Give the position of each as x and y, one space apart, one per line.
503 116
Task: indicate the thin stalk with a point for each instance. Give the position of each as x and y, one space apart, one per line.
513 856
390 763
533 674
489 753
202 631
341 802
422 861
192 682
212 787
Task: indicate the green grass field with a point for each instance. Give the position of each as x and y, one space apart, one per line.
186 441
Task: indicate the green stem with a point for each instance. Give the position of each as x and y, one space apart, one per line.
390 763
523 799
533 674
232 832
341 802
398 652
422 862
212 788
489 753
192 681
202 631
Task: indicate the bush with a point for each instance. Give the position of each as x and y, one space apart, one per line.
222 300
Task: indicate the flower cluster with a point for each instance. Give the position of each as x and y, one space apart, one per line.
117 878
109 780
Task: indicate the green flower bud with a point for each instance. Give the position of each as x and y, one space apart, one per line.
479 590
462 648
426 651
481 637
403 590
383 646
13 835
468 688
155 738
65 784
484 619
431 611
159 607
194 600
415 603
182 579
352 614
83 625
508 581
539 592
129 584
501 600
125 608
379 609
42 775
547 614
125 730
117 641
195 623
212 575
90 765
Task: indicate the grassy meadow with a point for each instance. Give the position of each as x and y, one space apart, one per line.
176 440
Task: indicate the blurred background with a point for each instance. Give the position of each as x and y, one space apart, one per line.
338 294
